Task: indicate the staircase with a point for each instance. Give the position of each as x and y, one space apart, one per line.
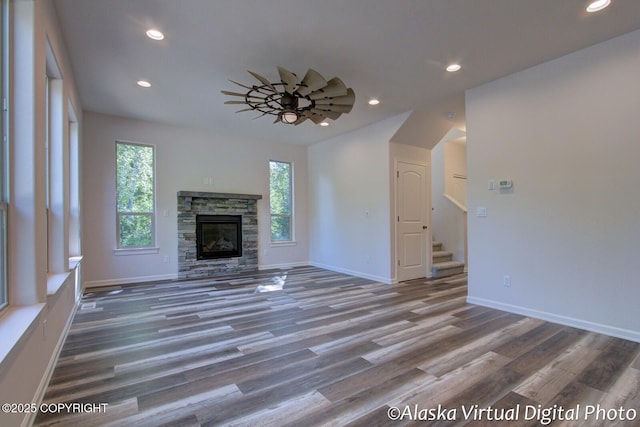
443 264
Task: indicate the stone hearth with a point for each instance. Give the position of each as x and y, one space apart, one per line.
193 203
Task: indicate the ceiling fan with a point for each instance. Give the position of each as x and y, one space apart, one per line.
293 101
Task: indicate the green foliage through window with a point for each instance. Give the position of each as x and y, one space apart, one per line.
280 200
135 195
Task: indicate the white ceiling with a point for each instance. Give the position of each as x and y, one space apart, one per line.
395 50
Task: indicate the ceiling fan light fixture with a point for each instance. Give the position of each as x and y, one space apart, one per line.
289 116
598 5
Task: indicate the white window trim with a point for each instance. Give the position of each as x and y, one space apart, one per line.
283 243
136 251
4 153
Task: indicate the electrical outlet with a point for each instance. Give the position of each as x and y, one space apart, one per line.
165 259
506 281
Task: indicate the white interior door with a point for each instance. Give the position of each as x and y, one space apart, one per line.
412 219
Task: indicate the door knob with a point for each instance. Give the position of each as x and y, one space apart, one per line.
424 227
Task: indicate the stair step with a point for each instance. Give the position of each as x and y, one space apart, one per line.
448 268
442 256
436 246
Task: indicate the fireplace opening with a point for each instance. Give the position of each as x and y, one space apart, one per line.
218 236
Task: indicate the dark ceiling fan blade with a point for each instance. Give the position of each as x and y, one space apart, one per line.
263 80
311 82
263 114
289 79
333 115
245 109
243 85
235 102
226 92
334 87
347 99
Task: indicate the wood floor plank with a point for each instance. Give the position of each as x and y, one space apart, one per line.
295 410
224 413
326 349
197 383
445 388
608 366
357 406
465 353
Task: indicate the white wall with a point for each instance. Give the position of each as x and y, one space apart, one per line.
185 158
455 167
568 234
349 211
448 220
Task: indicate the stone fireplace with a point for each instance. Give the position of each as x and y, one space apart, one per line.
217 233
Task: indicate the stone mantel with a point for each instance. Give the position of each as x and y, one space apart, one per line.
207 195
189 195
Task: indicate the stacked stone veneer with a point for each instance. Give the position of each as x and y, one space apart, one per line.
190 204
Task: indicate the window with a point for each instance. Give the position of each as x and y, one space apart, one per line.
47 168
74 185
3 151
135 194
55 164
280 200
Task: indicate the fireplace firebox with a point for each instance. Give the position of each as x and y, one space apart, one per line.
218 236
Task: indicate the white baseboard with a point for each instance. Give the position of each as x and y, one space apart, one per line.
126 280
44 383
283 266
385 280
556 318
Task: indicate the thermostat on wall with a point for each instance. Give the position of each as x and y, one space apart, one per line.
505 183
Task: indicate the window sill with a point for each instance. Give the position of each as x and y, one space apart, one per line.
14 325
74 261
55 282
283 244
136 251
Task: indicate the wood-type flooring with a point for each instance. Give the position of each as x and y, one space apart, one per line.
327 349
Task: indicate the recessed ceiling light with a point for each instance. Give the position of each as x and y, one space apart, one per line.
324 124
453 67
374 101
598 5
155 34
144 83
